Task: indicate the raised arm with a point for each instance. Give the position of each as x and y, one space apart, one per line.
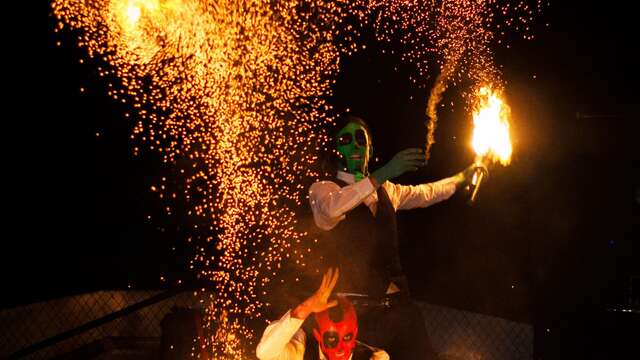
283 339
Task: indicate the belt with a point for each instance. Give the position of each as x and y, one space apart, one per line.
366 301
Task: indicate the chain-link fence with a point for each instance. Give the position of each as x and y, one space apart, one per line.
24 326
455 334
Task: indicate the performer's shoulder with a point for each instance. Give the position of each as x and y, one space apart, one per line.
359 353
300 337
321 184
325 181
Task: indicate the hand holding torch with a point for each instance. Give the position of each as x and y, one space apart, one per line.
479 173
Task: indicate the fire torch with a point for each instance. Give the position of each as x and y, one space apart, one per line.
491 141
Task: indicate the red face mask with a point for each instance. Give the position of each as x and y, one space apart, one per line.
337 339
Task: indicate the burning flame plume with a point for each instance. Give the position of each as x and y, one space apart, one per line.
491 140
432 108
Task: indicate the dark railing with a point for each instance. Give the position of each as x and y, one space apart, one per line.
94 324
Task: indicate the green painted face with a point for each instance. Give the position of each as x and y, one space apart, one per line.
354 146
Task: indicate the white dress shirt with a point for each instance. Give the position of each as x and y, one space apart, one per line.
330 202
285 340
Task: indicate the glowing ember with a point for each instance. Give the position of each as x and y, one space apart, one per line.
491 140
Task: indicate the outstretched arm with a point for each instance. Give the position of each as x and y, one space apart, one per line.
406 197
330 202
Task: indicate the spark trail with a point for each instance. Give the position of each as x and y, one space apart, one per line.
456 38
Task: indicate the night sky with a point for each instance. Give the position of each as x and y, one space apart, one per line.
552 237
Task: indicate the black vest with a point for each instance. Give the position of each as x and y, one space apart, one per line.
365 248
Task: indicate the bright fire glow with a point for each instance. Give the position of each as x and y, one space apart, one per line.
491 139
133 12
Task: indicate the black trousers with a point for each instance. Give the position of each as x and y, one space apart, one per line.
398 328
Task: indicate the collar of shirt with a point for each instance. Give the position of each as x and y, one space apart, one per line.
371 201
346 177
322 357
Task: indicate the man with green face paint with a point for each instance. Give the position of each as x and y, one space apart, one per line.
357 212
354 147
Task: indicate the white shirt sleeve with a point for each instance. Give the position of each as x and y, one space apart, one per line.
330 202
404 197
282 340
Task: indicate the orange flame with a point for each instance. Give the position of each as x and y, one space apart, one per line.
491 139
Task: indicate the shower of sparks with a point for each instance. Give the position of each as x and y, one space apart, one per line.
231 94
233 89
456 37
491 140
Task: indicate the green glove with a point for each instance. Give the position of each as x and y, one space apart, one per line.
406 160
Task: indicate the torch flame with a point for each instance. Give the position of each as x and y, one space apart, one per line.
491 138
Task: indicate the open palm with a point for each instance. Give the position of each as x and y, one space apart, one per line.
319 301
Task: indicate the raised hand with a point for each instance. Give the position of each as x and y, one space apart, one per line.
319 301
406 160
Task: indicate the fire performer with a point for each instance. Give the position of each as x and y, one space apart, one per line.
357 213
335 330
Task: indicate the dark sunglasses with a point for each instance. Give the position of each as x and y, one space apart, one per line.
361 138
